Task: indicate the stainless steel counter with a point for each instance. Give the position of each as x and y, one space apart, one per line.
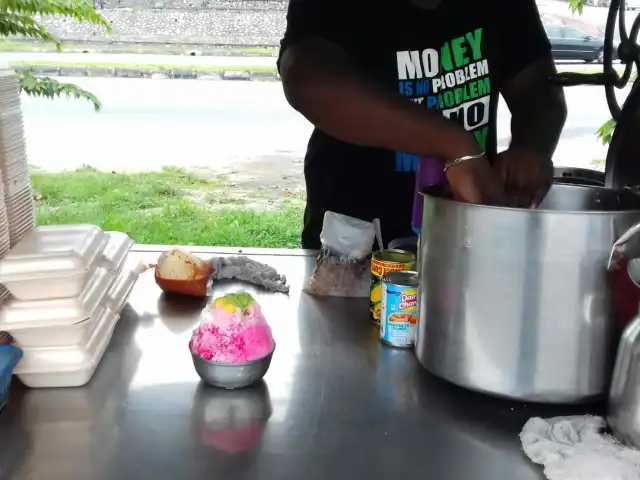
336 404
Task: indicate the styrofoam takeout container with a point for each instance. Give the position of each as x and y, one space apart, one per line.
116 251
53 261
121 288
19 316
54 367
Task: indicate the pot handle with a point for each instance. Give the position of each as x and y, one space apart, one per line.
623 360
617 251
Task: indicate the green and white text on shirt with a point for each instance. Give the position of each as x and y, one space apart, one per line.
453 79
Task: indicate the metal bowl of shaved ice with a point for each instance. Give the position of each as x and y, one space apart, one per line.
232 376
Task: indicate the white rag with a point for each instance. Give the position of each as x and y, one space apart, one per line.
575 448
250 271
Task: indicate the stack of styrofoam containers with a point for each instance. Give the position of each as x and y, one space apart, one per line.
68 286
17 206
14 169
4 238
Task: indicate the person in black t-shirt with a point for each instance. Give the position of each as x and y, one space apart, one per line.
386 82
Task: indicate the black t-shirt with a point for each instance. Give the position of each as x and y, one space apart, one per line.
453 59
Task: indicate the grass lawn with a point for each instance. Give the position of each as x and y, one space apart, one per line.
168 207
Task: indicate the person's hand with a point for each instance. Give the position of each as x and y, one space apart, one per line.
474 181
527 176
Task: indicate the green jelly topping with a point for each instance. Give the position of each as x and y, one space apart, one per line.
240 300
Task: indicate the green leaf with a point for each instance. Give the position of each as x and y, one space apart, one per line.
49 88
17 18
241 300
80 10
605 132
576 6
17 24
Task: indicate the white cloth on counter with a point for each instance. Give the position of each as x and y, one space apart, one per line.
576 448
250 271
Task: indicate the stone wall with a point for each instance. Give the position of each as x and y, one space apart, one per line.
206 22
190 4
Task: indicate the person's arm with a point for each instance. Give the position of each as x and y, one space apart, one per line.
320 83
538 108
323 85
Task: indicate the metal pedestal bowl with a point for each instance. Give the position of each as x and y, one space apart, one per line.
232 375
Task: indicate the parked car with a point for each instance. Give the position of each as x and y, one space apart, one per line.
553 19
632 4
598 3
570 43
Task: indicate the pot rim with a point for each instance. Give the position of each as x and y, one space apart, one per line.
427 192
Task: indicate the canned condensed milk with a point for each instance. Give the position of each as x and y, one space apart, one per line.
383 263
399 312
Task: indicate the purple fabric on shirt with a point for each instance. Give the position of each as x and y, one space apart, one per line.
430 172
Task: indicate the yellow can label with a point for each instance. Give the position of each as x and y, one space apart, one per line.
393 261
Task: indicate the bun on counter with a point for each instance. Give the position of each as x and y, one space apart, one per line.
182 273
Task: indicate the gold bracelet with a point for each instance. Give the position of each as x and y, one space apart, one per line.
460 160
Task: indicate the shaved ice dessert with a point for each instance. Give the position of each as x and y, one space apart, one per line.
232 330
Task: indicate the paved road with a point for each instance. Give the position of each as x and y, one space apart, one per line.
147 124
137 59
178 60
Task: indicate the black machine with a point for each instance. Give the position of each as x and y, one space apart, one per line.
622 170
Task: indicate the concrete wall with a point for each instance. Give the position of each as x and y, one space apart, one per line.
207 22
189 4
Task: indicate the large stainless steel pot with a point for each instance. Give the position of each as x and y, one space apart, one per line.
624 397
517 303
